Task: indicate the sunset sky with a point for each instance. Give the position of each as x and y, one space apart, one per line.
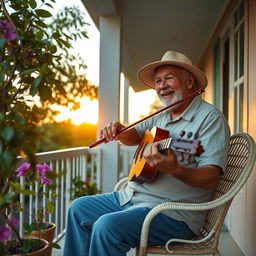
89 50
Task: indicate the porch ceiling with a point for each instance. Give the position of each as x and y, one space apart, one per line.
151 27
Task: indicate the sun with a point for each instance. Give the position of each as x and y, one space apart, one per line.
87 113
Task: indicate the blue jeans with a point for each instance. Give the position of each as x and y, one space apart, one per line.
99 226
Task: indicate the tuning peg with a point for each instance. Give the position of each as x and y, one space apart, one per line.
182 133
189 134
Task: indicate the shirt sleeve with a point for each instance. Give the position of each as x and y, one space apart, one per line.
214 136
142 127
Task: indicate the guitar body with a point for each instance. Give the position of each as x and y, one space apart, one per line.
140 170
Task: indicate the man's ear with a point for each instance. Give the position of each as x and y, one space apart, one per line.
190 82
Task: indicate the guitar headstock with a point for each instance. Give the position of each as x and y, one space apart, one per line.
190 145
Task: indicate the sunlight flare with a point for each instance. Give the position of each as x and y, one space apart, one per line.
87 113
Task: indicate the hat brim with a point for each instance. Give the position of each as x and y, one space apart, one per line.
146 74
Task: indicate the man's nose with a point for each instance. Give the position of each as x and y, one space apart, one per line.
163 84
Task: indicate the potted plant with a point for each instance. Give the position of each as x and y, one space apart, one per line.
82 187
33 76
39 228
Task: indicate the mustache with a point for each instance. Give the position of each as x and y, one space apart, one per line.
167 90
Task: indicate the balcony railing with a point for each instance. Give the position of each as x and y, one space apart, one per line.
68 164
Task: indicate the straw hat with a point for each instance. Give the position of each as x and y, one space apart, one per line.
146 73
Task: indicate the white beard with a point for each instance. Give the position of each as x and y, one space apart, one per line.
168 101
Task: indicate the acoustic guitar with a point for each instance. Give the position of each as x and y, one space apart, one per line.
141 171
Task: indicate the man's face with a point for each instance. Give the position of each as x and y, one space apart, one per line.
172 84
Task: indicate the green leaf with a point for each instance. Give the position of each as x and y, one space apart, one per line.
68 45
35 84
2 42
1 116
84 33
32 4
34 226
45 92
54 195
26 226
7 133
50 207
54 245
27 192
53 49
6 159
41 23
43 13
5 198
44 69
15 186
1 147
27 71
40 34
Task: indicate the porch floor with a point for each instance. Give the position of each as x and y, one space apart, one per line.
227 247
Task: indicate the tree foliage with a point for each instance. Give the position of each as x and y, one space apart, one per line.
36 70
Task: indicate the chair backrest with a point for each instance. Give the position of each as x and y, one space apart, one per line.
240 162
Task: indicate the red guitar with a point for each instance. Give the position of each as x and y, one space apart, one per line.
141 171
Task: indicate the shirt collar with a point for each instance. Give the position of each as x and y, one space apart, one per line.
190 111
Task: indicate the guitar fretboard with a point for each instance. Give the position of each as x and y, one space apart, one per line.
164 144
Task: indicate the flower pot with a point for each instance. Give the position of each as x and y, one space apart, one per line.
40 252
46 234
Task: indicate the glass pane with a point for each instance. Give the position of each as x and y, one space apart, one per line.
241 10
241 104
241 50
236 18
236 110
236 56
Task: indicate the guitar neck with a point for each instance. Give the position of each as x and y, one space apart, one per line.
164 144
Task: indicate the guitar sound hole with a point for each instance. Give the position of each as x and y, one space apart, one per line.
141 155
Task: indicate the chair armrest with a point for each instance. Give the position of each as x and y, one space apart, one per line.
121 184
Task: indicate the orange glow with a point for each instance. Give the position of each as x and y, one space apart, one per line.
87 113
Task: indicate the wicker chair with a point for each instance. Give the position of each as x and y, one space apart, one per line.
241 158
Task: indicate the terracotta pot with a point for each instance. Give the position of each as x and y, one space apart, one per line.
41 252
46 234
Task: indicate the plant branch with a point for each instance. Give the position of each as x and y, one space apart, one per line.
8 82
8 16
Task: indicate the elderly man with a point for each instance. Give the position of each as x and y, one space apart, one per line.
110 224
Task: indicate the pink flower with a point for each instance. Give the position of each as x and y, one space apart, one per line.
4 233
43 168
44 180
13 221
22 169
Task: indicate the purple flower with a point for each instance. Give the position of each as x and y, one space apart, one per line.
29 54
22 169
10 35
4 233
5 25
44 180
13 221
10 52
43 168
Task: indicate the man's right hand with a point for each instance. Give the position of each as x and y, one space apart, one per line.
111 131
